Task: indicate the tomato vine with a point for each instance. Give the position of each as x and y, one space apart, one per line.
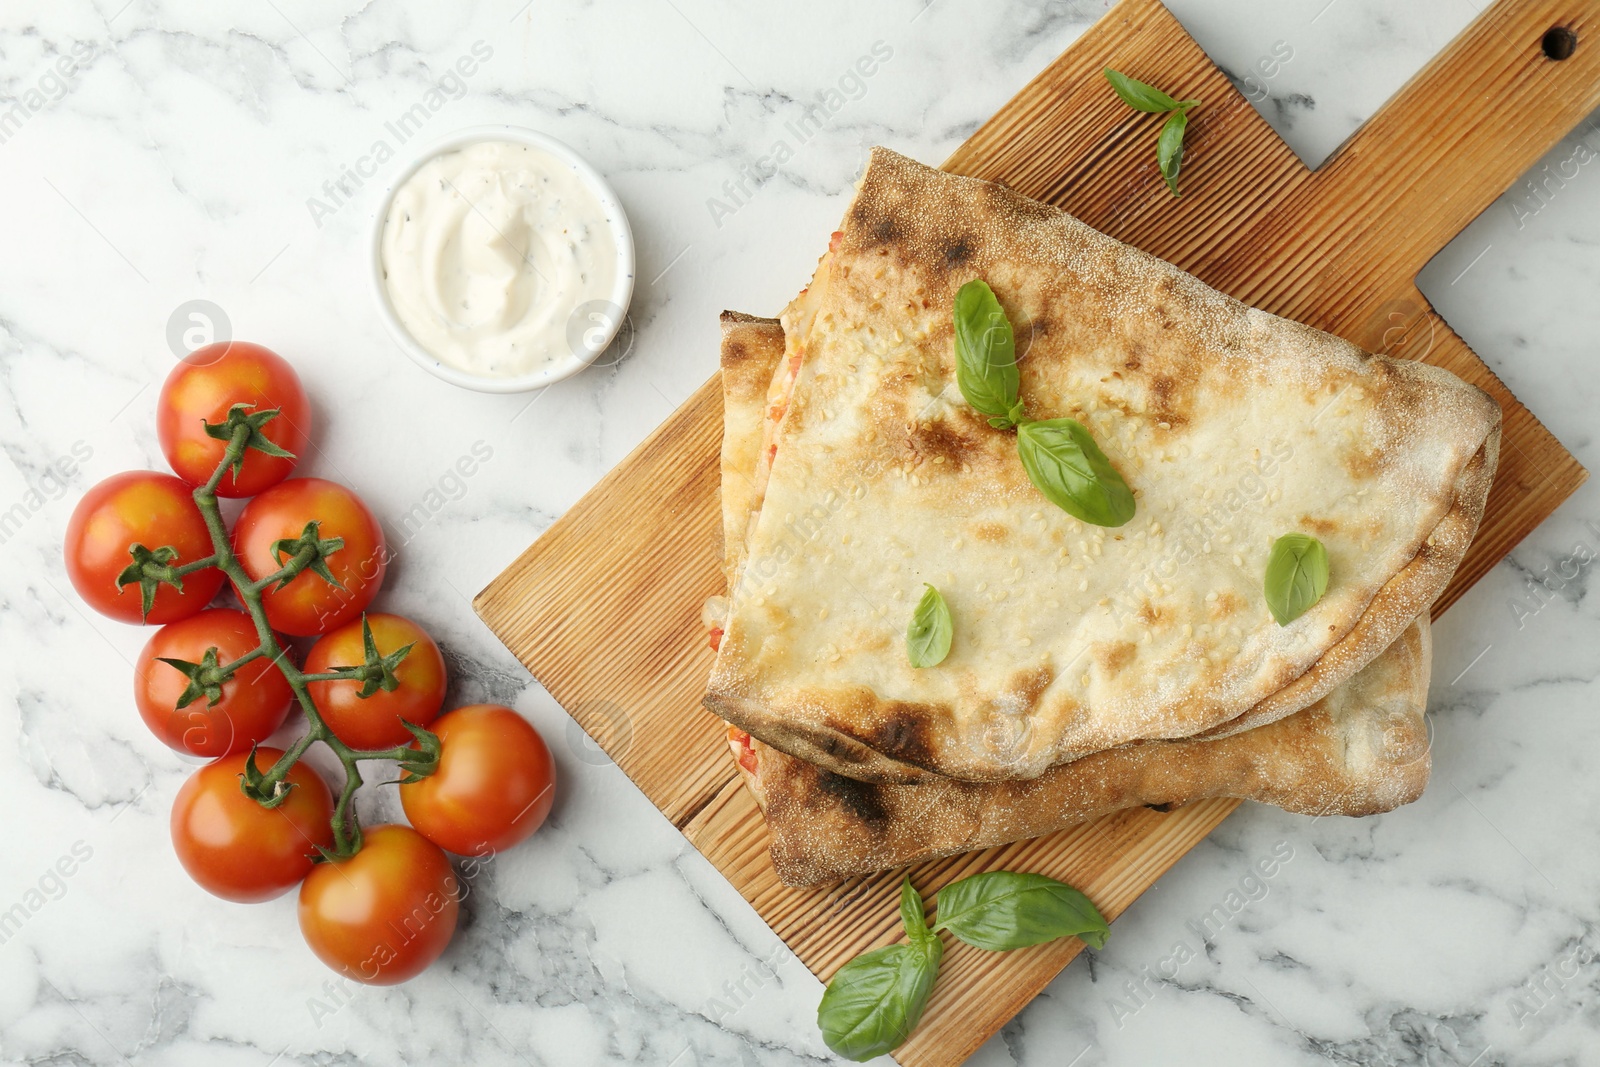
309 551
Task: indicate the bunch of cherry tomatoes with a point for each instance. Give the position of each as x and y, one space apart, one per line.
304 559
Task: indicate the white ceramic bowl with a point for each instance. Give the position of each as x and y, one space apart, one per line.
621 292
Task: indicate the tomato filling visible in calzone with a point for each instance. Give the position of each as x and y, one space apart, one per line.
743 748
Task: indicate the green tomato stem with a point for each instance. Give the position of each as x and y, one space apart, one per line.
227 669
289 571
346 826
186 569
330 676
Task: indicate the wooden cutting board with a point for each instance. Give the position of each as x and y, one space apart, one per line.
604 608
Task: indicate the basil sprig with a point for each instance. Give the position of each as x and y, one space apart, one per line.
1066 465
1060 455
1297 576
1147 98
1004 910
1169 149
928 637
876 1000
986 355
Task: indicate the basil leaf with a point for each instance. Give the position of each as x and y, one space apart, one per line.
911 916
1138 95
1297 576
928 636
1004 910
1066 465
876 999
1169 149
986 354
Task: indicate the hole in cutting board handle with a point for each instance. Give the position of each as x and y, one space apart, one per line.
1559 43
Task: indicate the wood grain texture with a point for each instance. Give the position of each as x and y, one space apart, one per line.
604 608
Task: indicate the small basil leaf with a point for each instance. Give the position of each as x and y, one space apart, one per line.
986 353
911 911
1169 149
928 637
1138 95
1297 576
1066 465
876 999
1004 910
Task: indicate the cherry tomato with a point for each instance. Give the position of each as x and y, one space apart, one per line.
254 701
374 721
494 785
146 508
309 604
239 850
204 386
386 913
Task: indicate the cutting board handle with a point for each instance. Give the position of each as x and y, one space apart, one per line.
1505 100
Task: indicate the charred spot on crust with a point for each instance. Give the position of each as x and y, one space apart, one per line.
1114 656
750 347
957 251
1225 604
1170 396
1362 465
885 231
1319 527
901 733
1033 683
1026 687
992 532
868 224
839 748
860 799
860 730
1151 614
1161 391
940 438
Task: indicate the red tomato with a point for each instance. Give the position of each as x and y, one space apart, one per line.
744 749
374 721
309 604
138 507
204 386
239 850
494 786
254 701
386 913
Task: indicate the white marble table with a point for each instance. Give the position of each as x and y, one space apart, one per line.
177 162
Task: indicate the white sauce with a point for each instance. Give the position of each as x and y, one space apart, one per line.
487 251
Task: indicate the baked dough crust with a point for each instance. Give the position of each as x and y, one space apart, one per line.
1233 427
